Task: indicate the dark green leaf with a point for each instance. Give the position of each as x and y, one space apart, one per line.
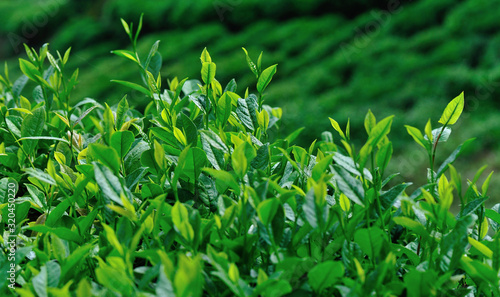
325 275
33 126
350 186
452 157
121 141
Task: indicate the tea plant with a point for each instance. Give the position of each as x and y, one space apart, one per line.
194 197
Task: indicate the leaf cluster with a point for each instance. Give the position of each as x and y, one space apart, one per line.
195 197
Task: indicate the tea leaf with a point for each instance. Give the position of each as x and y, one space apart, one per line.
350 186
325 275
453 110
104 154
32 126
208 72
251 64
108 183
265 78
134 86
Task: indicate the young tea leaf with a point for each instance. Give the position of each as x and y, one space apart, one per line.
453 110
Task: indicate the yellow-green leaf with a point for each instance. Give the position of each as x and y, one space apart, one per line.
453 110
481 247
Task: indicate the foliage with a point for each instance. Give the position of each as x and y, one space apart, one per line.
196 197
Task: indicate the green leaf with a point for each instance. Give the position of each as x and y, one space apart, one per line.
125 54
61 232
104 154
348 164
126 27
132 160
336 126
108 124
231 86
420 283
190 130
44 138
325 275
267 209
40 175
479 272
121 112
33 126
370 121
261 160
380 131
108 183
440 134
493 215
188 279
208 72
87 221
153 52
472 206
122 141
53 62
370 240
454 243
384 155
38 197
224 180
242 155
265 78
321 167
83 115
244 114
453 110
224 107
159 156
388 198
251 64
180 218
22 110
48 277
76 257
167 136
350 186
415 226
205 56
32 72
417 136
114 278
214 147
486 184
481 247
134 86
454 155
112 239
195 160
292 136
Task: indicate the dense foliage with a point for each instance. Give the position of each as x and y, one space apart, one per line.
337 58
196 196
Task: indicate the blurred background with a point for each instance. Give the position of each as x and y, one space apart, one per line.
336 59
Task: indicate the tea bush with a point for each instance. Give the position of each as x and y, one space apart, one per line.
197 197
